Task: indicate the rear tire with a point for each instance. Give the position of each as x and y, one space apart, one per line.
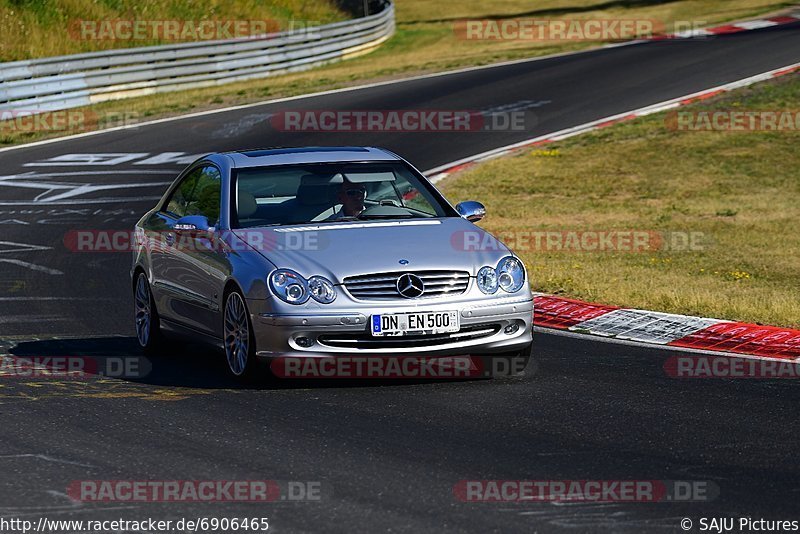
146 321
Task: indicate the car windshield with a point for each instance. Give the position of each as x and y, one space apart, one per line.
300 194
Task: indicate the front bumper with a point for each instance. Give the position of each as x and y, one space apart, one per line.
488 326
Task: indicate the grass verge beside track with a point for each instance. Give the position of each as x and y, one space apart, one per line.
425 42
38 28
737 191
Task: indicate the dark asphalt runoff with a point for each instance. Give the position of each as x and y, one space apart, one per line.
386 455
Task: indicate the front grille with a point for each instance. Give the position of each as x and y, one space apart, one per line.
364 340
384 286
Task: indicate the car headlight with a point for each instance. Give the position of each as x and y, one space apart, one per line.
289 286
321 289
487 280
510 274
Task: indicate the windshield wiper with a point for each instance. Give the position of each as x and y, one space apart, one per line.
393 216
349 218
373 216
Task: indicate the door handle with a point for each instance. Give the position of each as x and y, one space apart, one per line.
170 238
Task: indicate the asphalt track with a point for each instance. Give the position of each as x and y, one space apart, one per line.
389 454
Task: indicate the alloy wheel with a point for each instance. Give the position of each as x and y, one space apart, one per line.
237 334
144 311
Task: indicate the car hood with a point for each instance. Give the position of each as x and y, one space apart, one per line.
355 248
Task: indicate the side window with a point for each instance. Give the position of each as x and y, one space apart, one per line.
205 199
198 194
176 205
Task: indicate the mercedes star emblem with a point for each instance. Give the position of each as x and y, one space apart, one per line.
410 286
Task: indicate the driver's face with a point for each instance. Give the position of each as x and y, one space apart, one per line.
352 198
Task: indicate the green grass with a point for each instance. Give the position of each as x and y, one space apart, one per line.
425 41
738 190
39 28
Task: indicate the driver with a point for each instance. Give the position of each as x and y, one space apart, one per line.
351 196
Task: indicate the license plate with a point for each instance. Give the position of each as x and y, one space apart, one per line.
402 324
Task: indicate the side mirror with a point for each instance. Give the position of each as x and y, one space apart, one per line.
471 210
193 222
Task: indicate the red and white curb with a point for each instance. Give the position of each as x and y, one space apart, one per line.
666 329
739 26
439 173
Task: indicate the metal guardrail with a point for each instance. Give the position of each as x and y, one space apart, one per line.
63 82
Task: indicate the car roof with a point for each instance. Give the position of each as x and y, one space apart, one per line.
313 154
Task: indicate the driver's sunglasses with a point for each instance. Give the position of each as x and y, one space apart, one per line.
357 192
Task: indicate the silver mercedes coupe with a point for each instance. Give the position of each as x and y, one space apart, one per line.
325 252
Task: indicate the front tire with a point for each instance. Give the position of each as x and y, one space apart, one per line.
238 339
148 326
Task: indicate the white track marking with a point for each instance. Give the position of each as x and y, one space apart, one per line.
45 458
11 319
58 192
77 202
11 246
83 159
35 174
20 247
32 266
24 299
110 159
